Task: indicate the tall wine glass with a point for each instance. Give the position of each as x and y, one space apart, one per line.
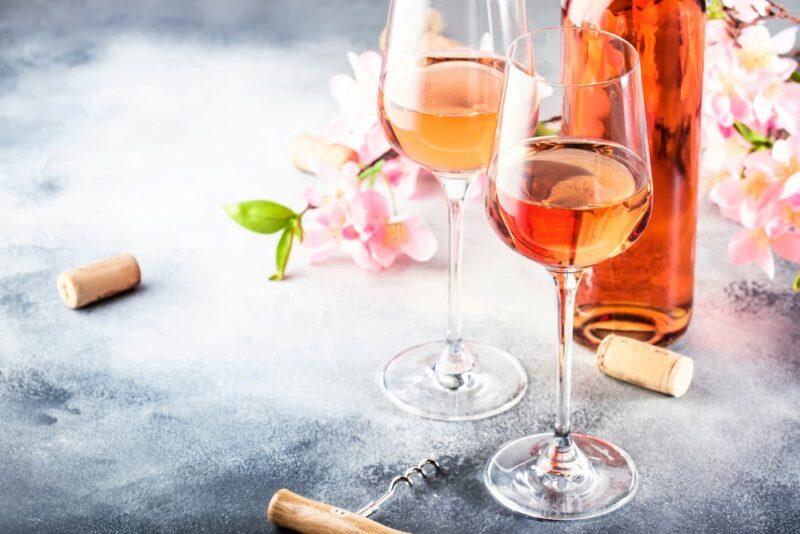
439 95
569 187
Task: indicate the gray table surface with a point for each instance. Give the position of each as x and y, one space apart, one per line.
184 406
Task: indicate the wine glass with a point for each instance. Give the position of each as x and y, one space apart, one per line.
440 88
569 187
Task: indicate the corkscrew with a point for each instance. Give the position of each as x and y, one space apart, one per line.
287 509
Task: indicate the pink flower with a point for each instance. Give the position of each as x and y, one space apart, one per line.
324 231
781 234
767 202
768 177
324 226
745 80
384 236
785 163
750 246
360 223
747 10
402 175
783 230
343 184
716 32
726 85
758 51
723 157
748 200
786 103
357 125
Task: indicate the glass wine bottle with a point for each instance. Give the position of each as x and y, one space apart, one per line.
647 292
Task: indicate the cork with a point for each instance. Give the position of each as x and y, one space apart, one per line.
645 365
308 151
99 280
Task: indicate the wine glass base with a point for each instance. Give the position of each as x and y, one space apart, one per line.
496 383
512 479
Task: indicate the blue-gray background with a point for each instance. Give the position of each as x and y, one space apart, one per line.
124 126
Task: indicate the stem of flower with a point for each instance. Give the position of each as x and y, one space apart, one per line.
391 195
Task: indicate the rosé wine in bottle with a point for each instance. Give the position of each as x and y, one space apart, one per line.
647 292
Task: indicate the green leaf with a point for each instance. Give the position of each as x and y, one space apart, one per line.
757 141
282 253
714 10
796 284
371 172
542 129
297 225
261 216
795 77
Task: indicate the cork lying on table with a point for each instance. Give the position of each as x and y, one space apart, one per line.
99 280
645 365
308 151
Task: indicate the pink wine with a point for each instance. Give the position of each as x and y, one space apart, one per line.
647 293
568 203
441 111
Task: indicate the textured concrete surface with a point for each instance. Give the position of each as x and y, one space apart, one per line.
124 126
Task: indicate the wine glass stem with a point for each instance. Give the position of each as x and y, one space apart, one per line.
566 287
454 360
562 466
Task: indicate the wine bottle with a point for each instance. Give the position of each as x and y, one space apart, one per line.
646 293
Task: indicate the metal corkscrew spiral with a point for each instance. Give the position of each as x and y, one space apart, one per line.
372 507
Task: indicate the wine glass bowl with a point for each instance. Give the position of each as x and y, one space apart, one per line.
569 187
440 110
569 203
438 99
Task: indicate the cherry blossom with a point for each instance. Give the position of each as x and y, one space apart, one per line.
747 10
402 175
357 125
360 221
384 236
781 235
751 146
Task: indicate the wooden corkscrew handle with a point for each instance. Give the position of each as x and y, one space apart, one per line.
290 510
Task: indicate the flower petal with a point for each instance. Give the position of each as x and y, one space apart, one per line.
792 186
341 86
743 247
787 246
370 209
783 41
361 256
728 193
421 244
313 197
765 260
316 236
382 253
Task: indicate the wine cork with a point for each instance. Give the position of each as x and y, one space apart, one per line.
308 151
645 365
99 280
